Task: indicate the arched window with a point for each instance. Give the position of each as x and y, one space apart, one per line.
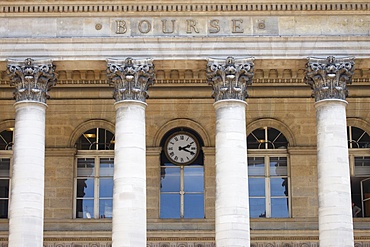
6 154
268 173
182 175
94 174
359 155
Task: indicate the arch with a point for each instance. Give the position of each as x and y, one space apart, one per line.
270 122
359 123
7 124
183 122
90 124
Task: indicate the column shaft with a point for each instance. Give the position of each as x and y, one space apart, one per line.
129 196
335 215
232 204
27 193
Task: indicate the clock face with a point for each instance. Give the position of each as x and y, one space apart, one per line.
181 148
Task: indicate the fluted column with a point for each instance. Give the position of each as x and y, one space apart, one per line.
230 79
329 78
32 81
131 79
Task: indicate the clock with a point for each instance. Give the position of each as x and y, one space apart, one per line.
181 148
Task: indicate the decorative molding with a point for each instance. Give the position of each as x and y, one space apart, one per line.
329 77
131 78
230 78
32 79
114 8
193 76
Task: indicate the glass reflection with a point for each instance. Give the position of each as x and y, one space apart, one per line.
4 168
170 206
194 206
279 186
170 179
85 208
85 187
106 187
256 186
193 179
256 166
85 167
106 167
279 207
105 208
257 207
182 184
278 166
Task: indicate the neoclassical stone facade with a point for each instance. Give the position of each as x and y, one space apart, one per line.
184 124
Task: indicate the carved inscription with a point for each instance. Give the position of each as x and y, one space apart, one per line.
183 26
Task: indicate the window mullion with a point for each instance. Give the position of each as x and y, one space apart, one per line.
96 187
267 186
182 192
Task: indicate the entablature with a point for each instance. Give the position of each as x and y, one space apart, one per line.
56 8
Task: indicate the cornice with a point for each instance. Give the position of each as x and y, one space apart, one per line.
116 7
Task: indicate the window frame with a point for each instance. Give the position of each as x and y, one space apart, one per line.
97 155
8 154
267 154
182 191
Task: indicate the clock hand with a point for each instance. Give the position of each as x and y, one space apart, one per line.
184 147
186 150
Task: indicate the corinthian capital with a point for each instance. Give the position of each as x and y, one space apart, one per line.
230 78
131 78
328 77
32 79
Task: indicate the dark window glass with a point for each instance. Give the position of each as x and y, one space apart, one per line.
96 139
6 139
357 138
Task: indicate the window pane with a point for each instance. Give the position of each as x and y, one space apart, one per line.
278 166
105 208
279 186
257 207
193 179
85 187
3 209
194 206
277 138
279 207
256 166
85 208
85 167
4 168
170 206
6 140
106 187
4 188
170 179
106 167
256 186
255 140
362 165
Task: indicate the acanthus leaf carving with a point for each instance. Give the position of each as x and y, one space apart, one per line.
32 79
230 78
329 77
130 78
